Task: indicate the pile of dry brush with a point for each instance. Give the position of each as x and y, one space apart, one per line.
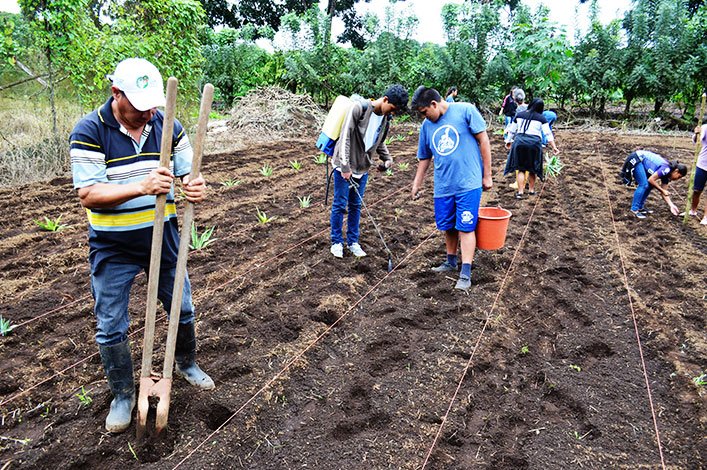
268 113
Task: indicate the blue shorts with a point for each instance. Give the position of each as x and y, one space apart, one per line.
700 179
459 211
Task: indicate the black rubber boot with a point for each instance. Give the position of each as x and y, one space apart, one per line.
185 356
118 366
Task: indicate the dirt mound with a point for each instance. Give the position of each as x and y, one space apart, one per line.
269 113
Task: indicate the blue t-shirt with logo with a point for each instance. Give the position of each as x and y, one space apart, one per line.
654 163
457 160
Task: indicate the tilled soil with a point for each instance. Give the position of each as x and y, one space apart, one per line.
336 364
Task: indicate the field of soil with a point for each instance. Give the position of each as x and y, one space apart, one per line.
336 364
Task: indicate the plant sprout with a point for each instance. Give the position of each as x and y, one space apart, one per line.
398 213
553 166
50 225
388 172
525 349
700 381
262 217
305 201
6 326
320 159
199 242
297 166
395 138
230 183
575 367
266 170
403 166
84 397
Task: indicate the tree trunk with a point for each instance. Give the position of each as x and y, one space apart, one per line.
627 109
658 104
51 91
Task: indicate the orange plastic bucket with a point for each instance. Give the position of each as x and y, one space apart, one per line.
491 228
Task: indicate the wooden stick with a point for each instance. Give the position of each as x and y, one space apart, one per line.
698 146
177 293
157 232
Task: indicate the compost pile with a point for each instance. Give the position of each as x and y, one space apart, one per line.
268 113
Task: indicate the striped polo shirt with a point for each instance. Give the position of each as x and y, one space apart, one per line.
102 151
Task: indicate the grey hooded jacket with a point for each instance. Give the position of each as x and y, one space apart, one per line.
350 152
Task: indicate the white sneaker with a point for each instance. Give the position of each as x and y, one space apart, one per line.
337 249
356 250
692 213
704 221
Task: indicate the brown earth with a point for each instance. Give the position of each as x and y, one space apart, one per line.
555 380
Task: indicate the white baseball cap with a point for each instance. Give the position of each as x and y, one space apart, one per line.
141 82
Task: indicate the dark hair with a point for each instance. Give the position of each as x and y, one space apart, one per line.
450 90
676 165
424 96
537 105
398 96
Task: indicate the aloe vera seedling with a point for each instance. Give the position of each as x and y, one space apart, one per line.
305 201
262 217
388 172
553 166
201 241
320 159
266 170
6 326
229 183
403 166
50 225
297 166
84 397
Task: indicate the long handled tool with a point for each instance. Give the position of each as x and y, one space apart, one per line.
155 386
375 226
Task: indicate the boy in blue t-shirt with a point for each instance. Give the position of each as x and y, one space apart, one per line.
454 136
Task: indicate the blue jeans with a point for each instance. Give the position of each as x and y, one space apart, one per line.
110 286
643 187
345 197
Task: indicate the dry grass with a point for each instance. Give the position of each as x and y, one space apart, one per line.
29 149
270 113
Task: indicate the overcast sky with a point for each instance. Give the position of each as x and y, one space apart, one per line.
562 12
428 11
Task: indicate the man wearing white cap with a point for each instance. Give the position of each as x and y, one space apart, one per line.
115 164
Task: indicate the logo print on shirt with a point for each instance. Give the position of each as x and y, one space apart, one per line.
445 140
467 217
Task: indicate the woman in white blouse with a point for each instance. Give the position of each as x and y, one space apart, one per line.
524 139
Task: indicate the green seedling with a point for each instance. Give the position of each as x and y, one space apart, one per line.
524 350
132 451
297 166
266 170
403 166
553 166
402 118
700 381
398 212
320 159
84 397
395 138
230 183
6 326
579 436
575 367
199 242
388 172
262 217
50 225
305 201
498 132
411 132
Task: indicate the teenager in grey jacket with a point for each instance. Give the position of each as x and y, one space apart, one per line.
363 132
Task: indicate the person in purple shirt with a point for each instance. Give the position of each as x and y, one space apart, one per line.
653 171
700 173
